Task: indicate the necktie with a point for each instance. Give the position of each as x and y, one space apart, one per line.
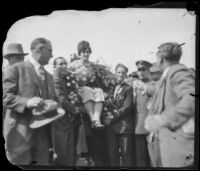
117 90
41 73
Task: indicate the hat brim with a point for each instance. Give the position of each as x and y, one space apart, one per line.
20 54
39 123
50 106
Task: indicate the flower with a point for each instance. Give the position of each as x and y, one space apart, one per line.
72 101
84 79
109 113
105 108
68 84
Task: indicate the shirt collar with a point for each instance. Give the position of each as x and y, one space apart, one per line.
35 63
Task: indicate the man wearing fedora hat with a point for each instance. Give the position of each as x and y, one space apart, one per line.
26 85
14 53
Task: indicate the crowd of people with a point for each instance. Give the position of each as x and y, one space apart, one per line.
145 119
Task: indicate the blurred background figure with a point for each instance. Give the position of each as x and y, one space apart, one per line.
74 57
133 75
14 53
155 72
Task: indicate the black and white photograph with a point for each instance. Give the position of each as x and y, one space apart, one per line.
113 88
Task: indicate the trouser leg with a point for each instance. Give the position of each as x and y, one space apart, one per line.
141 151
113 149
125 144
40 149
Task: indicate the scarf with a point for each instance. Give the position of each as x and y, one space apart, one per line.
156 106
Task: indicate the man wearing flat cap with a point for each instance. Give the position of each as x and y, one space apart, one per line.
26 85
140 101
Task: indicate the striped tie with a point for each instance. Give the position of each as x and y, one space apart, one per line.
41 73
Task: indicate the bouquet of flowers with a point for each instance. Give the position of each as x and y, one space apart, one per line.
107 81
97 75
84 75
103 77
73 90
109 107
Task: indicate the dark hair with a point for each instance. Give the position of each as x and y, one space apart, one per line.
37 41
83 46
174 51
121 65
55 60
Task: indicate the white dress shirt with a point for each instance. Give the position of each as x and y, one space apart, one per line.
37 66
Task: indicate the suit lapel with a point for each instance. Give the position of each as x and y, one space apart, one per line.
34 76
119 94
50 84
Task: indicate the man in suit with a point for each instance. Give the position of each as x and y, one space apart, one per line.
120 126
13 53
63 129
26 85
141 155
172 109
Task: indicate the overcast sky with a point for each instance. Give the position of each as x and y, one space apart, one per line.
115 35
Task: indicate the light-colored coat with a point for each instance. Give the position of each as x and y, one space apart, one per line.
20 84
176 104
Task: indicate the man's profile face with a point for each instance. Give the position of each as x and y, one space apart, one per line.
46 55
162 53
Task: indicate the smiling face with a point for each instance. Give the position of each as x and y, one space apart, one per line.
121 74
84 55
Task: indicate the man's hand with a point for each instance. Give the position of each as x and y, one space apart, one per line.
140 85
77 110
154 122
35 102
107 121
